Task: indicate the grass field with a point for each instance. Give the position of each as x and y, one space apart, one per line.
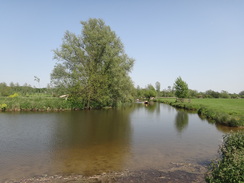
228 112
230 106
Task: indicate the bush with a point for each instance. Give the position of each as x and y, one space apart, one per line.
229 167
14 95
3 107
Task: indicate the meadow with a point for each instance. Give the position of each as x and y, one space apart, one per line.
228 112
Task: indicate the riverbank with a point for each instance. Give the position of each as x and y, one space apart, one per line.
177 173
229 166
34 103
228 112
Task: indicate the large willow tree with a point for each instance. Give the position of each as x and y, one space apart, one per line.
93 67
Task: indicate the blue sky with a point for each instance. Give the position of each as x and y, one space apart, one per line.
200 40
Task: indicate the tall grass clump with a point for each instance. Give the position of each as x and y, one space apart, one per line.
34 103
3 107
229 168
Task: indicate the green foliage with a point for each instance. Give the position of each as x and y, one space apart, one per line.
25 90
34 103
181 88
94 68
168 93
149 92
4 89
145 93
241 94
211 94
229 167
157 86
14 95
224 94
3 107
193 94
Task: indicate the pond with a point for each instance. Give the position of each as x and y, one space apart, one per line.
136 137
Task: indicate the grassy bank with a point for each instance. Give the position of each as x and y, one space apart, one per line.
33 103
229 167
228 112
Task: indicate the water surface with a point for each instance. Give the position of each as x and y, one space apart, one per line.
91 142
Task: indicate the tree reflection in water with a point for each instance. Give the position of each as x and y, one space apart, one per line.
181 121
93 141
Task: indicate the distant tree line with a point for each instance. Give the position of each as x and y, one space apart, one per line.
147 92
25 90
150 91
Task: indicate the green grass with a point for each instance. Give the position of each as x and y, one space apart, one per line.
230 106
228 112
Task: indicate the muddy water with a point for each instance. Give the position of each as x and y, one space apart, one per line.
133 138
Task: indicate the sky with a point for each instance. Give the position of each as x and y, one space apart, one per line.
202 41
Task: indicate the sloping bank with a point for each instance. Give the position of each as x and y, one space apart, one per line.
42 104
216 113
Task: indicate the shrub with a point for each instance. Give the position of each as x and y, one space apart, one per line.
202 111
229 167
3 107
14 95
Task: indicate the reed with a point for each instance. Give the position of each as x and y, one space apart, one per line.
34 103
